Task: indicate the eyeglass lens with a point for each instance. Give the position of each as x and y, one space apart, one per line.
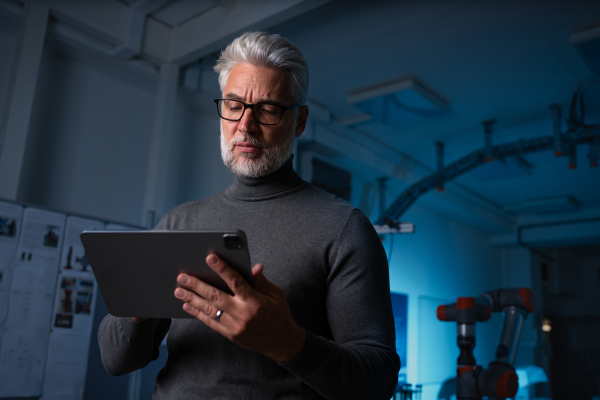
264 113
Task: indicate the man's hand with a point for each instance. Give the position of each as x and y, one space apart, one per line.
257 319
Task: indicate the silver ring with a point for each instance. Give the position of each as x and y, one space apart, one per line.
219 315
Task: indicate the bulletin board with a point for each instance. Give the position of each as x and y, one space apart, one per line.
47 300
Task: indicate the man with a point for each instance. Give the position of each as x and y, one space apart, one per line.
318 322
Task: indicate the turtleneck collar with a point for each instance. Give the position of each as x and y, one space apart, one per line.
285 178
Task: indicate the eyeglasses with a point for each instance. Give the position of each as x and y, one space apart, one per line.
264 113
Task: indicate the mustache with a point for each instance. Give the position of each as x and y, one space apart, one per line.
262 144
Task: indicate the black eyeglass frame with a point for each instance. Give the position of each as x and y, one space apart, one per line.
251 106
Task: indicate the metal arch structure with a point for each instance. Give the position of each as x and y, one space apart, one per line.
561 143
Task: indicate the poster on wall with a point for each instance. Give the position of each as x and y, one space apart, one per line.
400 309
41 239
33 283
75 298
73 256
74 303
22 362
10 228
35 271
67 365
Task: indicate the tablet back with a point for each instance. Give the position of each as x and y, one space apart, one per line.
137 271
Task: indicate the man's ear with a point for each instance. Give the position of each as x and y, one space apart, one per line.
301 120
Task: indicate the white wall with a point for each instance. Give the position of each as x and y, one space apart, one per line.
196 170
87 149
8 43
88 145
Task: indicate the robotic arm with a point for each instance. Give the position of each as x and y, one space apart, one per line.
499 380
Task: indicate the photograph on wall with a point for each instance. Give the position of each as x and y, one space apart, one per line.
85 292
8 227
52 235
400 309
74 257
65 294
42 234
74 303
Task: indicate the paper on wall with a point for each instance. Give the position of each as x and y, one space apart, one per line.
35 271
22 362
73 256
66 365
75 299
31 298
10 229
75 303
41 239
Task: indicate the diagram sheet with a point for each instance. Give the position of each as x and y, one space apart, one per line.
22 362
10 229
66 365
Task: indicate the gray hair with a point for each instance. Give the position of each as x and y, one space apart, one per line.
273 51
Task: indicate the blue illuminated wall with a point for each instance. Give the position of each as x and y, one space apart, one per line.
441 261
400 308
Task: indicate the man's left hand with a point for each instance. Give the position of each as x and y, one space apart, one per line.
257 319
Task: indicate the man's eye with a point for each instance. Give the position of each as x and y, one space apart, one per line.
235 108
269 109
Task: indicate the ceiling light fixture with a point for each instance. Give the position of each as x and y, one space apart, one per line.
399 102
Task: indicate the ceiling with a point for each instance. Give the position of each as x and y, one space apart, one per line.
497 59
507 60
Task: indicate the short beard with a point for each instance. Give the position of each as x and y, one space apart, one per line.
253 166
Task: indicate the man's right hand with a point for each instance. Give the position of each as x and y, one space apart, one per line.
140 319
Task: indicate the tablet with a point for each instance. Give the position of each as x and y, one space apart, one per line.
137 271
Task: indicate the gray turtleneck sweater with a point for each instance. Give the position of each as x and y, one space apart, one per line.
327 257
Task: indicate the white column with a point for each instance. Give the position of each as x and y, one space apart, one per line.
158 160
19 102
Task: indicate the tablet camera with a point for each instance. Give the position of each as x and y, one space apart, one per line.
233 242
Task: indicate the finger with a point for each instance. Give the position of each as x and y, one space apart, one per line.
207 320
206 292
197 302
236 282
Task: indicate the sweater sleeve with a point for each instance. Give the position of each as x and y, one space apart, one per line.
126 345
361 361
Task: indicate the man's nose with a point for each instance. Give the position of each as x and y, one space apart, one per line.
248 122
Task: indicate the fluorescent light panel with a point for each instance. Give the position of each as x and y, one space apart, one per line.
547 205
587 43
398 102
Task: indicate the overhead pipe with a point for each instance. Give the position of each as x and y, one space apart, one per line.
574 137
